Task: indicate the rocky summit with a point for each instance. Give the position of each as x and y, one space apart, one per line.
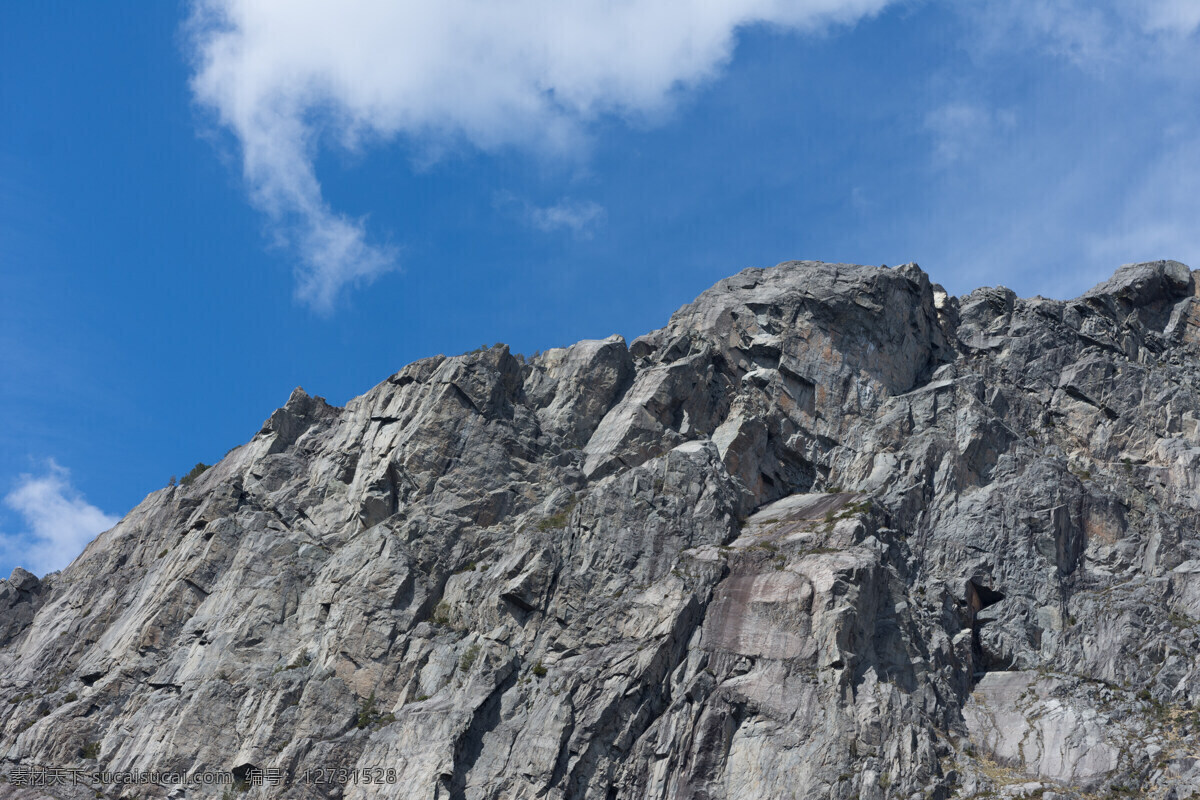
830 533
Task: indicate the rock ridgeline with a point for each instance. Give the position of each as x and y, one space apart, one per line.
831 533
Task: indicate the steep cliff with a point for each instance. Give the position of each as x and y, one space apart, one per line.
829 534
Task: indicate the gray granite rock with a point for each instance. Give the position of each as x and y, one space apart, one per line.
830 533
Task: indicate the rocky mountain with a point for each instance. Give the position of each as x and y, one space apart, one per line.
830 533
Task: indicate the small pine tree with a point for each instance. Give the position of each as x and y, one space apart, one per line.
194 473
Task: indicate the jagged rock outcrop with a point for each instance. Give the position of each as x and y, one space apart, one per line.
831 533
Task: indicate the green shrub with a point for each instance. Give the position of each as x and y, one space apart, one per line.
554 521
194 473
301 662
559 520
366 713
468 658
90 751
539 669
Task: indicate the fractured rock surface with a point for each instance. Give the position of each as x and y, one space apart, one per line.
830 533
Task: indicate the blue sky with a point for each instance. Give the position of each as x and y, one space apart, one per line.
203 205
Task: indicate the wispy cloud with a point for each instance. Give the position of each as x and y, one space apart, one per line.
1156 216
1062 145
579 217
1090 33
290 76
1179 17
59 521
962 130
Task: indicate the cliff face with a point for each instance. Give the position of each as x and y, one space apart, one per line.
830 533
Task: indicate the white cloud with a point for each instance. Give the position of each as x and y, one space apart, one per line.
962 130
572 215
1157 215
1092 33
580 217
60 522
288 76
1090 169
1179 17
